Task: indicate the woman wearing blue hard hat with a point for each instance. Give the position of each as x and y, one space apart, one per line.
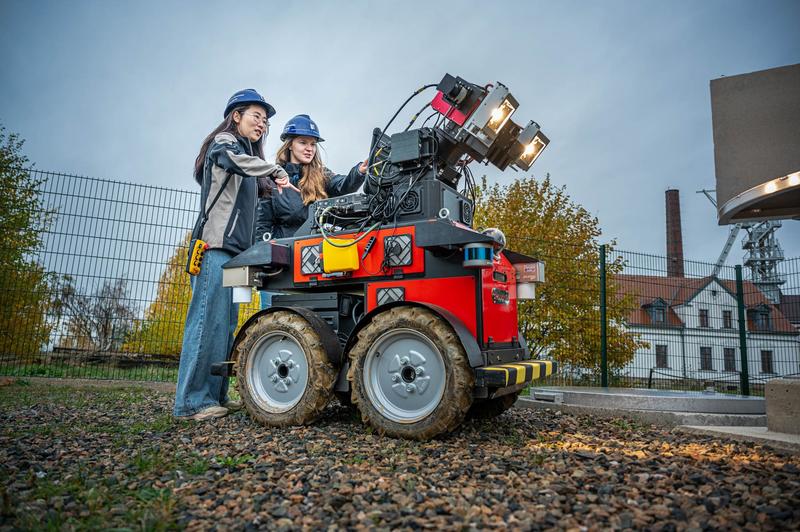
232 173
281 215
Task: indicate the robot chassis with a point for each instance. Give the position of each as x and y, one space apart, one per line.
389 299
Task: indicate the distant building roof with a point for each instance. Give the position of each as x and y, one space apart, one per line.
677 291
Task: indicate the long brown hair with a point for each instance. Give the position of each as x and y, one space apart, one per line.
228 125
313 176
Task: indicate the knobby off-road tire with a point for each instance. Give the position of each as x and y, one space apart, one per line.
284 375
409 374
490 408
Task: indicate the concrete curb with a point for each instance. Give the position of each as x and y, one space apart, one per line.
670 419
656 400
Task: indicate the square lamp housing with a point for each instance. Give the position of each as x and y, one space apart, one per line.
492 114
533 143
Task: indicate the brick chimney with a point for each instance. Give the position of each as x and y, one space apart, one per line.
674 237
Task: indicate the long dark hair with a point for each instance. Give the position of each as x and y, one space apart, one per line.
227 125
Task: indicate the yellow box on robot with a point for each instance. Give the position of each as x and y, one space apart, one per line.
339 255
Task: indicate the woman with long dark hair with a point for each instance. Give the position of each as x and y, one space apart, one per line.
232 173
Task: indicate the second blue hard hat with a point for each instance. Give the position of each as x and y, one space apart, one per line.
250 96
301 126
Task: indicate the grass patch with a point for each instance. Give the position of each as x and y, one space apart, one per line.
29 394
234 461
195 464
150 460
356 459
107 370
75 497
79 503
626 424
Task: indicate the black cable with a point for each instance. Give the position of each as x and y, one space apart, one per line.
383 131
414 118
429 117
384 206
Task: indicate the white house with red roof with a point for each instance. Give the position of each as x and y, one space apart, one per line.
692 328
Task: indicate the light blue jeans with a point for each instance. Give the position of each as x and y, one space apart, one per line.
207 338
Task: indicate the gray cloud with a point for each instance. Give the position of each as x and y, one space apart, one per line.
128 90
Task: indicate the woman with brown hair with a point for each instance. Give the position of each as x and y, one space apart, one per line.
281 214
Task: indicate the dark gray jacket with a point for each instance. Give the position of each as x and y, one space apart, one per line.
282 214
230 221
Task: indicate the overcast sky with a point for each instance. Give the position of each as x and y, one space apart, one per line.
127 90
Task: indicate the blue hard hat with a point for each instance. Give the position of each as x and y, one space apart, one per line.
245 96
301 126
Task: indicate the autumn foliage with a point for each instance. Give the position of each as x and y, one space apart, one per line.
160 332
26 315
539 219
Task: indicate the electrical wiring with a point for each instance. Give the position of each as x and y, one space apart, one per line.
429 117
383 131
389 185
350 242
414 118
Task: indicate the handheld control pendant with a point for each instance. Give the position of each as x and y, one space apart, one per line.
197 249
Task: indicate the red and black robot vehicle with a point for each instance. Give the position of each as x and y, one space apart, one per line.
389 299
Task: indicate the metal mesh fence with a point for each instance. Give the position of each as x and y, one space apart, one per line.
698 331
104 268
103 294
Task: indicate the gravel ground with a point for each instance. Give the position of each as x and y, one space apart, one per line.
88 458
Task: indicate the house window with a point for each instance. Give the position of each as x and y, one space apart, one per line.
730 359
659 315
705 359
763 322
727 319
703 317
661 356
766 362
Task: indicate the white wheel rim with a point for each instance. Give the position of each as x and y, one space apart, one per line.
277 372
404 375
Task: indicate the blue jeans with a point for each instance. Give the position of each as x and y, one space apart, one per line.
207 338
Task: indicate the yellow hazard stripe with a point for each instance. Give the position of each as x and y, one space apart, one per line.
535 369
547 365
496 368
522 372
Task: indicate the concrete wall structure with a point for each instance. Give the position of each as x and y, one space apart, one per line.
757 144
783 405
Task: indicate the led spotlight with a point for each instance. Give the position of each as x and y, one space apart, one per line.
500 115
533 142
492 114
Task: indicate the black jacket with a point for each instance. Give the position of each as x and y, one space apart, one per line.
282 214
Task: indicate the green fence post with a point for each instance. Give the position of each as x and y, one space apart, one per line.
603 321
744 375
